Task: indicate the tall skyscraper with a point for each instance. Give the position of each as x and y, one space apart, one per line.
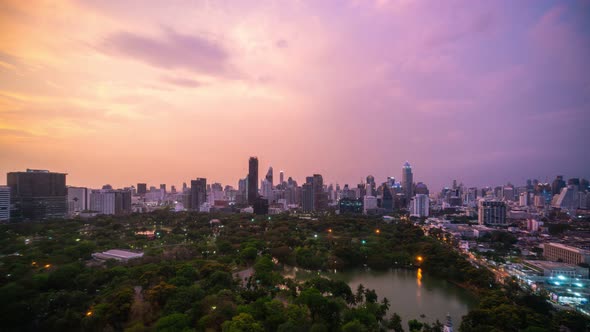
198 193
307 197
281 177
38 194
163 187
407 180
269 176
141 188
252 180
4 203
320 196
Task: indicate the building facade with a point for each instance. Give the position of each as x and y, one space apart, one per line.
564 253
37 195
4 203
252 180
491 212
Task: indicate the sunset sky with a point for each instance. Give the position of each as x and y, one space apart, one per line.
122 92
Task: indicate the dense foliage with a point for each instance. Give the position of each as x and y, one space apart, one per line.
197 275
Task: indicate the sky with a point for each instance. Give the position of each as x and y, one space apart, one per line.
122 92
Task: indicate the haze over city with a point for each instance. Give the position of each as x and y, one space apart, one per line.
121 92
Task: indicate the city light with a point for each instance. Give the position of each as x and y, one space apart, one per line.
329 230
419 258
88 313
378 231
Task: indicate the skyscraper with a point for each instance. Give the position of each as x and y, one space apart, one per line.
198 193
307 197
281 177
252 180
141 188
557 185
269 176
38 194
407 180
320 196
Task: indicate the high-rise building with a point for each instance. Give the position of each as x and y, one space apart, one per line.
371 185
369 204
37 194
110 201
557 185
141 188
252 180
567 198
491 212
407 180
198 193
307 197
387 198
163 187
281 177
266 189
4 203
320 196
420 205
523 199
77 200
269 176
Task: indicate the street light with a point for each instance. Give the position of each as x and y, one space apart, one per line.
419 258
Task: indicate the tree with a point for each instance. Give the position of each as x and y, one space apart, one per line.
172 323
242 323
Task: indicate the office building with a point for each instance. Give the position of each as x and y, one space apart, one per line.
567 199
420 206
407 180
4 203
269 176
387 199
557 185
266 189
307 197
77 200
491 212
369 204
198 193
37 195
163 187
252 180
320 196
564 253
141 188
110 201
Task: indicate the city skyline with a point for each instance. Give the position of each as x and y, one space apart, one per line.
120 93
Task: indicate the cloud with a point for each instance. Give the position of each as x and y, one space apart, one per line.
172 50
182 82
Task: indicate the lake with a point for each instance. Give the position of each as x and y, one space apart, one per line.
411 293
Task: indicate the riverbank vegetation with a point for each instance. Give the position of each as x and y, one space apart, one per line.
188 279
